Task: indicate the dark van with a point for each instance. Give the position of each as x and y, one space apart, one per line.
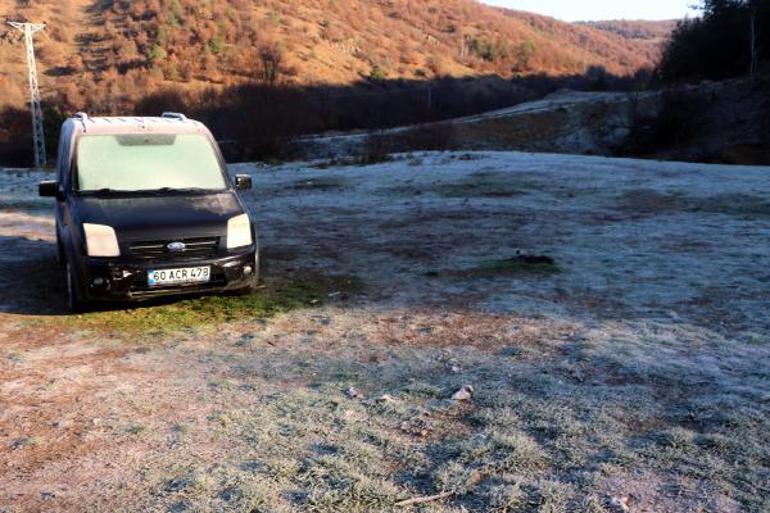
145 208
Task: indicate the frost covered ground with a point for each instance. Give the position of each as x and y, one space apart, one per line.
632 370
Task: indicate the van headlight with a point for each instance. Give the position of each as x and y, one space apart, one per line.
239 232
101 240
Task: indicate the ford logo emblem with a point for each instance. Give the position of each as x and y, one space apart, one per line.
176 247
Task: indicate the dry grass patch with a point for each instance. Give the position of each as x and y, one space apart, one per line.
519 265
300 290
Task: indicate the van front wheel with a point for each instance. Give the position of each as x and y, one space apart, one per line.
74 299
60 258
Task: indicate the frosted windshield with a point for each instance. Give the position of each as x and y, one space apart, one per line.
145 162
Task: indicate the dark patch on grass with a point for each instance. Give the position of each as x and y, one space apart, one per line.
467 157
363 160
647 201
336 162
180 483
321 183
741 205
407 189
300 290
517 265
412 253
484 185
531 264
136 429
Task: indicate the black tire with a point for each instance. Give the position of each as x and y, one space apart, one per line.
60 258
250 288
256 279
259 268
75 300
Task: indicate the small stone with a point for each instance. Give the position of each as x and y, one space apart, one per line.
23 443
353 393
245 339
456 369
464 394
620 504
475 478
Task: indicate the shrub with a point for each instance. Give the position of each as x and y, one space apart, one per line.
215 44
156 53
377 74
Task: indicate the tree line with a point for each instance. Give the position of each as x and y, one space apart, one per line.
730 39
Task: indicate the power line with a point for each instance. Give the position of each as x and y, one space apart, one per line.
38 137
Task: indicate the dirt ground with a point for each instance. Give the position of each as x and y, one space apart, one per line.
631 371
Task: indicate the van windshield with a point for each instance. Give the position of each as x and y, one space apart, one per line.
147 162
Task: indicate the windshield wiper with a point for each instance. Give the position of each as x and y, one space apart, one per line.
104 192
166 190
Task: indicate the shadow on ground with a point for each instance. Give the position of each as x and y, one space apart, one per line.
35 283
32 280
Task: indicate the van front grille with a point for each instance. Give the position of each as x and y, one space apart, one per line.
203 247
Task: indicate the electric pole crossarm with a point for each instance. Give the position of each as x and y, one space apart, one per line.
38 136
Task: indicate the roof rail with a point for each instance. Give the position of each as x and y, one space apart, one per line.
82 117
174 115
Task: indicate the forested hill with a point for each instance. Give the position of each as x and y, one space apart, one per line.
119 50
651 32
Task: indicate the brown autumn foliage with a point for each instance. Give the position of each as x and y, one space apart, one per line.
108 55
654 32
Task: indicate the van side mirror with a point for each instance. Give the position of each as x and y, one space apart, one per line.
48 189
243 182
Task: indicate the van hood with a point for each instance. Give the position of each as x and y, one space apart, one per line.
161 217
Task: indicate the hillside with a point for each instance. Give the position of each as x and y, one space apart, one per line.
643 31
722 122
105 55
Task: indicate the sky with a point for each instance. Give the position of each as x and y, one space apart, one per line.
584 10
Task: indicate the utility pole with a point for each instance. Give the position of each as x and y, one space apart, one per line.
38 136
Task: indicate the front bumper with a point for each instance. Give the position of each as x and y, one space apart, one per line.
125 280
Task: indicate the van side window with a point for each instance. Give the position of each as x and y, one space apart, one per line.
63 158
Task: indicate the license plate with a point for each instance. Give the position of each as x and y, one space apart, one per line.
181 276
